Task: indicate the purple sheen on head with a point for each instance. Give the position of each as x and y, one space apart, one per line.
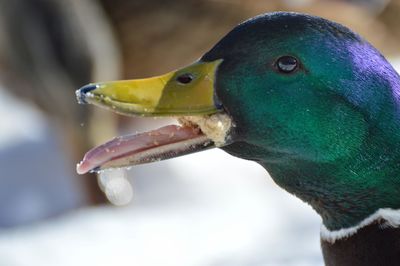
371 64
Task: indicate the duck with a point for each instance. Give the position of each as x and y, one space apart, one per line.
308 99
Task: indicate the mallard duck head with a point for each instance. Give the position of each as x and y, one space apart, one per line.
307 98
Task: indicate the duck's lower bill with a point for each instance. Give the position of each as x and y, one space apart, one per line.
163 143
193 135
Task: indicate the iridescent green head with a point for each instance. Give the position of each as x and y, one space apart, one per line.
317 106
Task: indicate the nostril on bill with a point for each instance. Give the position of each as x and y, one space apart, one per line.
81 93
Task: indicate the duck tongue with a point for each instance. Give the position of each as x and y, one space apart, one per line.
160 144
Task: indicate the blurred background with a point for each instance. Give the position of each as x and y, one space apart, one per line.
203 209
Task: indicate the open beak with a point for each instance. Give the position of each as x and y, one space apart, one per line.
187 93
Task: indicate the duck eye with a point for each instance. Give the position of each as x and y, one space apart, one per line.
287 64
185 78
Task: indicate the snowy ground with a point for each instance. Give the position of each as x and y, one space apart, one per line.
206 209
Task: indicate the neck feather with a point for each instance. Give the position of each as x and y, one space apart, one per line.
390 218
346 191
375 241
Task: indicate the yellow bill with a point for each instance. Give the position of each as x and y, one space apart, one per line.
187 91
187 94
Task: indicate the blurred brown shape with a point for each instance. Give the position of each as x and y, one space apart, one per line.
46 53
157 36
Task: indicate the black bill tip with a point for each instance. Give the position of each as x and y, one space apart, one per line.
81 94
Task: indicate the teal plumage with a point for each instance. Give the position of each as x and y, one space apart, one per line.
327 132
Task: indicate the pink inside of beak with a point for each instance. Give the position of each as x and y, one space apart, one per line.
143 147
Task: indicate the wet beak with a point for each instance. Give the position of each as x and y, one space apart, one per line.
187 93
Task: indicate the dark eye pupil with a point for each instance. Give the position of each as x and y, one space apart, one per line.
287 64
185 78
